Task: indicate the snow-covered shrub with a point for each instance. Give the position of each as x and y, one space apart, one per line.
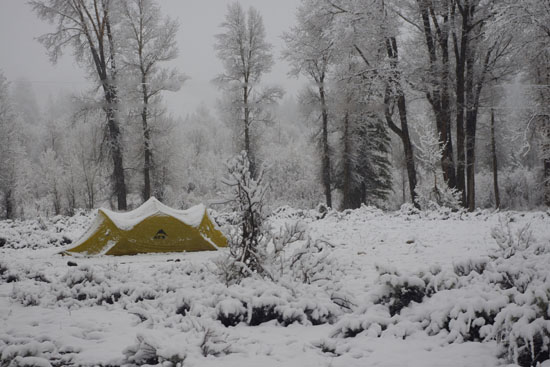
231 312
466 267
371 319
197 339
524 332
409 210
397 290
146 352
33 351
522 328
256 301
510 241
58 231
247 193
314 262
520 188
7 274
213 341
432 198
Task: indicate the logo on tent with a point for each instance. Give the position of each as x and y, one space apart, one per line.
161 235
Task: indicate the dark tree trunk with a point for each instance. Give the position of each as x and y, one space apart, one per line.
8 203
114 128
351 192
147 151
407 145
471 122
495 164
403 132
327 181
546 161
547 181
246 122
116 153
447 164
460 56
438 96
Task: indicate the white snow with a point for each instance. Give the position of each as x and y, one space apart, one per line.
166 308
126 221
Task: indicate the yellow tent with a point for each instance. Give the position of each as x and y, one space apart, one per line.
153 227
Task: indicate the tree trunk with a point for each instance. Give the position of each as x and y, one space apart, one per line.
325 147
547 181
407 145
246 121
114 128
147 151
351 193
403 132
8 203
118 167
460 56
448 164
471 122
438 96
495 164
546 161
115 141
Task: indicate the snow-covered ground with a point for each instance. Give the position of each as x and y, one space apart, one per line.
397 289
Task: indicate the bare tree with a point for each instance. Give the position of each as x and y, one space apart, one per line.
87 26
151 41
246 56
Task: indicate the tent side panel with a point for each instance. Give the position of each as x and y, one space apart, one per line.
209 230
160 233
105 231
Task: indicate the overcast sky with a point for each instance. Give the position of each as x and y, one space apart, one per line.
22 56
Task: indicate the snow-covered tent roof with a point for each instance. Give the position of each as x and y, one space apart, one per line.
126 221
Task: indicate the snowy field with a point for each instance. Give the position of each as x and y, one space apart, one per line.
375 289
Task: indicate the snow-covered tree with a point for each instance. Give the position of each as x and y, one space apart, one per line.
363 174
528 22
310 51
373 39
151 41
246 56
247 194
8 150
429 151
89 28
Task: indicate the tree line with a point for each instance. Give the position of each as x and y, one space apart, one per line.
406 101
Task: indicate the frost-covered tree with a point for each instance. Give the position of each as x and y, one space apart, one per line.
363 174
246 56
529 23
151 41
247 194
51 172
429 152
310 51
89 28
373 40
8 150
